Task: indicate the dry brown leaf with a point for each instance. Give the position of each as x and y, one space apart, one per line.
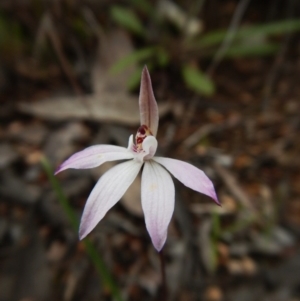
111 101
108 107
109 53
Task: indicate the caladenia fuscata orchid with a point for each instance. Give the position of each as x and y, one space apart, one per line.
157 191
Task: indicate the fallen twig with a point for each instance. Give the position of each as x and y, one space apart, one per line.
233 186
47 28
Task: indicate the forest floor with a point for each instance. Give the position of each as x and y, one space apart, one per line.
58 96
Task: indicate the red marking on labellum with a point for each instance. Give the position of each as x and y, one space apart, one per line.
142 132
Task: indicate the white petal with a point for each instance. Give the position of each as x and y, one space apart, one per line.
158 196
189 175
94 156
147 102
107 192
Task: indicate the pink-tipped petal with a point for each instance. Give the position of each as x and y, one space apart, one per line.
147 102
158 196
94 156
190 176
107 192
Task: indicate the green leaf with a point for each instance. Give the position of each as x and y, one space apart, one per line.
250 51
135 57
163 57
198 81
127 19
144 5
210 39
134 80
215 235
274 28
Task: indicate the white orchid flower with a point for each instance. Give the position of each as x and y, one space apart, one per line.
158 193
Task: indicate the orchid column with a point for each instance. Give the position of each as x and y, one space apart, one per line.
158 193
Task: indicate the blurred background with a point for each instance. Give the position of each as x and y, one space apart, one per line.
225 74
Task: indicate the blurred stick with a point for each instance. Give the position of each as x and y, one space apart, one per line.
276 68
210 128
94 25
231 32
89 247
47 28
233 186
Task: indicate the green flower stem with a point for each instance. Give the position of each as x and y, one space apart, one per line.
89 247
